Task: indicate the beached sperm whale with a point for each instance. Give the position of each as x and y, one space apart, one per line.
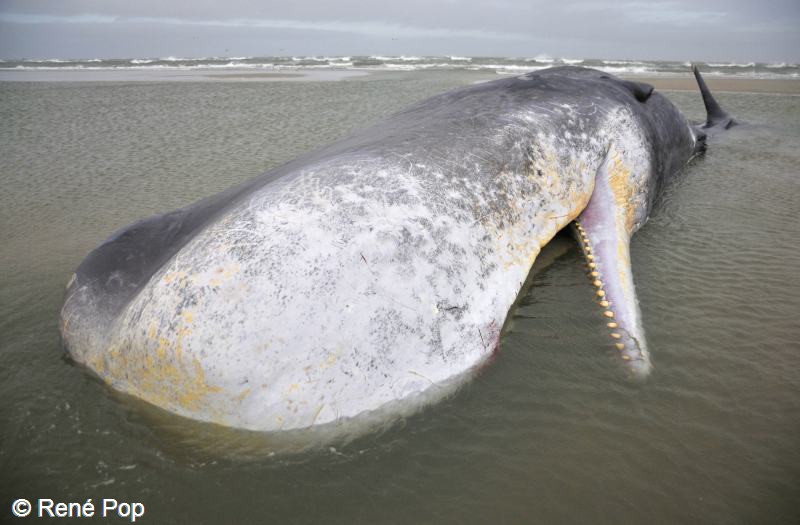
379 270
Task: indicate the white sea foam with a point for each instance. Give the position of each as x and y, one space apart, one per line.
544 59
730 64
627 70
176 59
620 62
395 58
501 65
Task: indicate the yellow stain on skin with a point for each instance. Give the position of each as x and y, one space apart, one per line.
163 345
620 179
158 372
622 183
174 276
243 395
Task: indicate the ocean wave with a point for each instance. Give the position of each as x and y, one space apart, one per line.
500 65
730 64
396 58
544 59
620 62
176 59
628 70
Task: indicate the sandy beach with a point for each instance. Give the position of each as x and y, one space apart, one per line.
665 82
739 85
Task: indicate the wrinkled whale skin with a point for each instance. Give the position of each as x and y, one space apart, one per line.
371 272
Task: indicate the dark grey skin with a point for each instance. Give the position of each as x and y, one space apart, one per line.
408 243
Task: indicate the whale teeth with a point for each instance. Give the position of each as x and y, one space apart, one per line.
594 275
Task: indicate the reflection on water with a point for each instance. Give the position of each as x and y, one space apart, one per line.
550 432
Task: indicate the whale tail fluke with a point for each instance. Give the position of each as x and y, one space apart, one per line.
716 117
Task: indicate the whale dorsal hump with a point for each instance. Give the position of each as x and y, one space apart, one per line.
640 90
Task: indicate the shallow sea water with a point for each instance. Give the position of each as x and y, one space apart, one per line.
550 432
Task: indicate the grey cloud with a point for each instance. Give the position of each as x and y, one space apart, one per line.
664 29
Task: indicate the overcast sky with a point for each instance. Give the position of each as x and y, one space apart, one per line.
732 30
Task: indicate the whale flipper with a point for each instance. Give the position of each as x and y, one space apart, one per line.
604 230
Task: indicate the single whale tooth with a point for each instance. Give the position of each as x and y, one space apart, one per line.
625 357
598 283
615 335
608 313
612 325
601 293
604 304
592 265
590 256
594 273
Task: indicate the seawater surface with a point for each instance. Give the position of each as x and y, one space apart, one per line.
550 432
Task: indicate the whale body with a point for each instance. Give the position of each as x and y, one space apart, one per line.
380 269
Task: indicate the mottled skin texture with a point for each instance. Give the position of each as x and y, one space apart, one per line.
375 272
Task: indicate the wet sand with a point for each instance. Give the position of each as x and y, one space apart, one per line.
670 83
256 76
739 85
176 75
